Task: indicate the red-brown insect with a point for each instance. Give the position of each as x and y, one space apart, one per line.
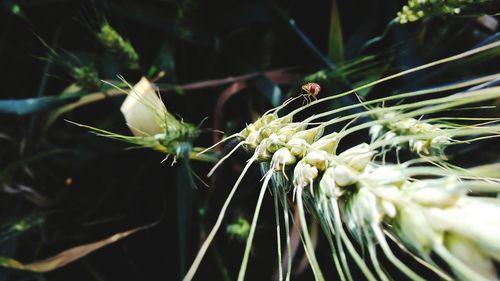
311 91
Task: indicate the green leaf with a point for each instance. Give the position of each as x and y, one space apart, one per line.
185 196
34 105
67 256
19 226
335 41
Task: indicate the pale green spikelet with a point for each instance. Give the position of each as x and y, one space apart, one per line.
86 77
117 46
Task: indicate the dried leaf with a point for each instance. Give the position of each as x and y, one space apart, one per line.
67 256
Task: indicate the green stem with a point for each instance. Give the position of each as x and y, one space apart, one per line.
244 263
326 224
307 239
287 231
390 255
457 265
338 223
407 95
201 253
278 233
373 257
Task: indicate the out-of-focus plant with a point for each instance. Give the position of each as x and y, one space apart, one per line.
239 229
117 46
419 9
153 126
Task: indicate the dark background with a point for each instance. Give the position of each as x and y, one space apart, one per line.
95 187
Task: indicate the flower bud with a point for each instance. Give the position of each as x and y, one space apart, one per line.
309 135
406 123
304 174
472 218
290 129
471 255
327 184
364 208
275 142
390 135
253 139
357 157
421 128
385 175
262 152
435 197
345 176
282 158
440 141
420 147
327 143
319 159
264 120
143 109
376 131
415 229
387 208
298 147
389 115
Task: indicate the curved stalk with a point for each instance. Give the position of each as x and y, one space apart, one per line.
402 73
204 247
318 275
224 158
287 231
457 265
248 247
278 233
372 251
338 223
390 255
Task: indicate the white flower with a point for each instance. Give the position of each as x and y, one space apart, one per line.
282 158
376 131
319 159
327 143
435 197
275 142
327 184
357 157
345 176
143 109
298 147
473 218
415 228
304 174
384 175
309 135
262 152
468 252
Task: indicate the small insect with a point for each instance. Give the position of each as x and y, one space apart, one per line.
311 91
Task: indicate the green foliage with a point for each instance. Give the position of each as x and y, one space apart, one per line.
119 47
419 9
239 229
